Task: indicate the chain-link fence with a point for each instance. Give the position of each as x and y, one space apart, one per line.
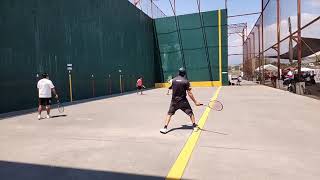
149 8
286 36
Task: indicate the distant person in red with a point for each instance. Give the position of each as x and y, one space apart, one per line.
140 85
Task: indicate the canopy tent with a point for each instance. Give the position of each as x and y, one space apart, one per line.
304 69
269 67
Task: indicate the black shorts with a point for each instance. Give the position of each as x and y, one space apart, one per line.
139 87
44 101
183 105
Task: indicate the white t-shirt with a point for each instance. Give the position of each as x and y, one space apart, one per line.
45 86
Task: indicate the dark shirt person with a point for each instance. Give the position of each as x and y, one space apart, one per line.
180 88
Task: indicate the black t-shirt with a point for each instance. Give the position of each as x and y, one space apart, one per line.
179 87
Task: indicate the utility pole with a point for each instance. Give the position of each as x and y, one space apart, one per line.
278 38
299 40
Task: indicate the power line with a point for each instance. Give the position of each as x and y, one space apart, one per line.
247 14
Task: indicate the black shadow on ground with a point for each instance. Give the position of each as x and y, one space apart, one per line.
209 131
3 116
19 171
189 127
57 116
183 127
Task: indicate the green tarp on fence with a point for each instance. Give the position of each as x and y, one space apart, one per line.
98 37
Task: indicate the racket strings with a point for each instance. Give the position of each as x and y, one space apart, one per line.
60 107
216 105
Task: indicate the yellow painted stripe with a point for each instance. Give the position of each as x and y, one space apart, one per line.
193 84
220 46
206 84
177 170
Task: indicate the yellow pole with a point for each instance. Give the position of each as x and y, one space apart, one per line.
70 86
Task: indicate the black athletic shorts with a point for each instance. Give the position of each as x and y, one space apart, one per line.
183 105
44 101
139 87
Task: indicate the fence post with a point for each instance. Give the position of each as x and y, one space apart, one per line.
93 89
120 80
110 90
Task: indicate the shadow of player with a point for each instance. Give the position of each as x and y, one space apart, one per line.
190 127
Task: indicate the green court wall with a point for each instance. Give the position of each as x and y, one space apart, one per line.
98 37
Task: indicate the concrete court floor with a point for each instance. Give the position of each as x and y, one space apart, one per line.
262 133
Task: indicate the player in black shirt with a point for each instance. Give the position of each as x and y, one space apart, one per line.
180 88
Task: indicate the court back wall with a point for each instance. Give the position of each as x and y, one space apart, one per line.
98 37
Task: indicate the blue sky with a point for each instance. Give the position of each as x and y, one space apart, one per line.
234 7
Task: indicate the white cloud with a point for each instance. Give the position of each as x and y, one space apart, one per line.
313 3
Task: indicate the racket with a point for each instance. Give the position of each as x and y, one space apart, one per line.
215 105
60 106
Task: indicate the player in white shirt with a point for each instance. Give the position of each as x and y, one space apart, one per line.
45 90
290 75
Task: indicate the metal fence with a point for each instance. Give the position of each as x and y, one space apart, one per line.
149 8
286 35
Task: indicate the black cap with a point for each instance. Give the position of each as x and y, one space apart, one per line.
45 75
182 71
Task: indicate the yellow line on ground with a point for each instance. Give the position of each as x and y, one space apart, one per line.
177 170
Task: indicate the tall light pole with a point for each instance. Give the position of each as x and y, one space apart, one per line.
262 41
278 38
299 39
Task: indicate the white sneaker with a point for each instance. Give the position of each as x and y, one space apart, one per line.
164 130
39 117
48 116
